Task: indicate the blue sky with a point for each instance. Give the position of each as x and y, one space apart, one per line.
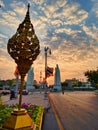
68 27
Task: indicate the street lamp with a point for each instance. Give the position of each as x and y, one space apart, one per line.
46 49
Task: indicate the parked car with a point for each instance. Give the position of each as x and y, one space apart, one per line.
25 92
53 90
5 92
12 94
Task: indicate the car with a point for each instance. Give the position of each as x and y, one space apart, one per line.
12 94
5 92
53 90
25 92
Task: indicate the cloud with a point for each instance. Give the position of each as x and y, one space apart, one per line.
18 7
95 8
2 3
68 31
8 20
73 15
64 26
2 36
37 2
91 31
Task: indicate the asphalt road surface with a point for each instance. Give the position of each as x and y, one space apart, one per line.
77 110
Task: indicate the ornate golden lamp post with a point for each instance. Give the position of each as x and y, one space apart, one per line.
24 48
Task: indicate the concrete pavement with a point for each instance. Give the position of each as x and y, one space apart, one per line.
34 98
49 119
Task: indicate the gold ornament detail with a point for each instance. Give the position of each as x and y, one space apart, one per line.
24 45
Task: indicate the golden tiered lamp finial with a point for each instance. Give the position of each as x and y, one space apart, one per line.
24 48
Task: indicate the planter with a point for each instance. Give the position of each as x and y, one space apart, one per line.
39 117
39 125
34 111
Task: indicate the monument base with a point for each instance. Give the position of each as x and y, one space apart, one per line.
57 87
19 120
30 88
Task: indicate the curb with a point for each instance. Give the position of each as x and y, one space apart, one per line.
41 120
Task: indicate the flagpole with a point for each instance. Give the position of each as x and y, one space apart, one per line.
45 49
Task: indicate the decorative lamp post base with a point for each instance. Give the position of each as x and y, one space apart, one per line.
19 120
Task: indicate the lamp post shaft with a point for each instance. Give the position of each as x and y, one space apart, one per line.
21 89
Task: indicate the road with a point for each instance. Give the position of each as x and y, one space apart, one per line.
77 110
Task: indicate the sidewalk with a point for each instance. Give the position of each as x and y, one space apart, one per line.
34 98
49 120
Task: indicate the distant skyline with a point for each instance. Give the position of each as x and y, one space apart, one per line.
68 27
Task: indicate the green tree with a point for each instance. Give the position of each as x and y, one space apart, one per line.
64 85
10 82
92 76
79 83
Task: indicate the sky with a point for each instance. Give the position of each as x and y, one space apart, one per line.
68 27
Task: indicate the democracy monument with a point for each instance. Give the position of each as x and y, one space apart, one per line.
57 79
30 80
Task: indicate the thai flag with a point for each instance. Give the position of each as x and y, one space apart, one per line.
49 71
